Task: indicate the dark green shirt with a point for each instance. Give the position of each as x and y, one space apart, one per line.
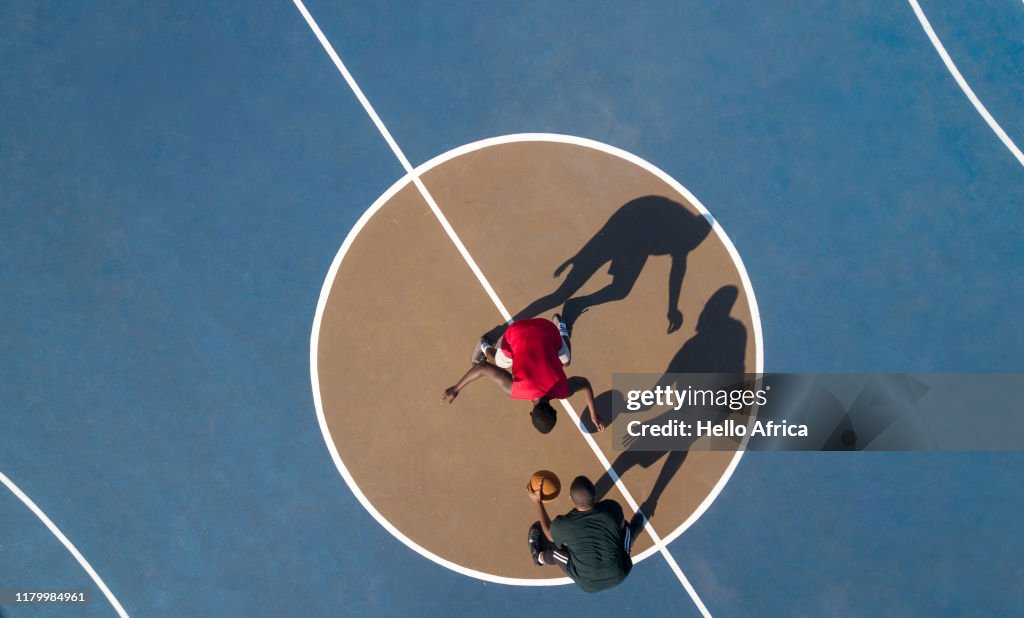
597 557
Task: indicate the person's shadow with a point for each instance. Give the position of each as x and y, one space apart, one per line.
718 347
646 226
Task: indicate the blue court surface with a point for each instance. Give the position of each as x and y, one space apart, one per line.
176 178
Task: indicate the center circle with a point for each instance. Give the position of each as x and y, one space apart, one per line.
549 220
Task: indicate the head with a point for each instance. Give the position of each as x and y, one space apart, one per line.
543 417
582 492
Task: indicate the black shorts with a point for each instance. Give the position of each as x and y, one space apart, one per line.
560 555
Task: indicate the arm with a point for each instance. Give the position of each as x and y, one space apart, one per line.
581 384
482 370
545 520
675 285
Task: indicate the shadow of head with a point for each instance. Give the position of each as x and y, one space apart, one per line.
718 308
721 340
718 347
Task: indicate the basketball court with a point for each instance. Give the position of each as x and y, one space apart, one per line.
246 249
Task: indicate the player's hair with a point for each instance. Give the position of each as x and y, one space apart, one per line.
543 417
582 491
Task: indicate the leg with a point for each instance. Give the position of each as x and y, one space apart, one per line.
558 557
544 551
632 529
484 351
565 353
497 356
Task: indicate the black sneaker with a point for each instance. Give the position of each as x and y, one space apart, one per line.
636 527
533 539
479 355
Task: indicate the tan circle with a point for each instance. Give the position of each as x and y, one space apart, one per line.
401 314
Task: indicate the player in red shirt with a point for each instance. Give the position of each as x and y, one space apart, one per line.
535 351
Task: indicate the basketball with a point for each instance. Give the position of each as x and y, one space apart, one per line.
552 486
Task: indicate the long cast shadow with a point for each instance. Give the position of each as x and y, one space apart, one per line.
646 226
718 347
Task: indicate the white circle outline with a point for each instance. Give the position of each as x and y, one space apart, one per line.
401 184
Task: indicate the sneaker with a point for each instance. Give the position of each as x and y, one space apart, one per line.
533 539
636 525
563 328
479 355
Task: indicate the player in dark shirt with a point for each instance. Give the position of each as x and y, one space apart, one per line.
590 543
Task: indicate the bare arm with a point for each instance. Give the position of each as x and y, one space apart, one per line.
545 519
481 370
579 384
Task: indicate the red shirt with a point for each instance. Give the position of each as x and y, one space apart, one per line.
537 372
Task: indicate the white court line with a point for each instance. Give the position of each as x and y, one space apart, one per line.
636 508
322 419
498 303
963 83
401 155
63 539
476 269
423 169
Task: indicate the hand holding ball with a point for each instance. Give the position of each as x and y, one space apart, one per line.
551 485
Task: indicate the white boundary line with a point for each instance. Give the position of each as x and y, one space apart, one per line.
414 175
321 306
1014 150
325 431
658 544
401 156
67 543
716 227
